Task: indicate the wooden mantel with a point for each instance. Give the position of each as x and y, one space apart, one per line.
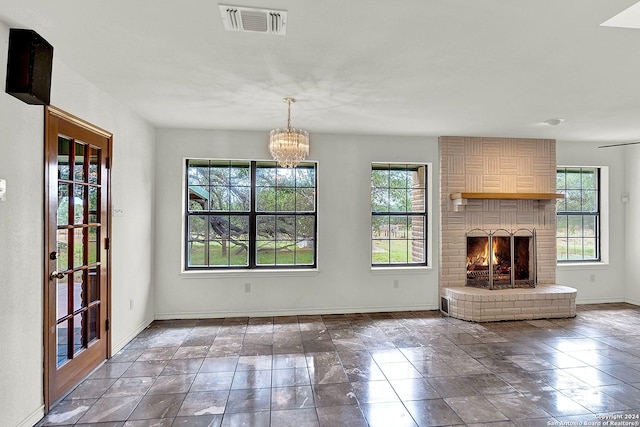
460 199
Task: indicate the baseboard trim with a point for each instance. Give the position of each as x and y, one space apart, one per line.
141 327
607 300
291 312
33 419
632 301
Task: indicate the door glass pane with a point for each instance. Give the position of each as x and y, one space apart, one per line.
94 210
63 157
78 247
63 204
62 301
78 332
78 287
92 284
94 162
62 339
78 204
93 245
62 247
93 323
78 168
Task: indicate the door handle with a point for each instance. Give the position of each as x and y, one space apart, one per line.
56 275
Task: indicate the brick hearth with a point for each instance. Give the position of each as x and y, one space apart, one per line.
482 305
499 165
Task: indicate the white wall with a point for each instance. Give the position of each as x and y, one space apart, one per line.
132 189
632 222
21 230
599 282
344 281
21 165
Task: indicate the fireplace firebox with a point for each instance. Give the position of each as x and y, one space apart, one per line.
501 259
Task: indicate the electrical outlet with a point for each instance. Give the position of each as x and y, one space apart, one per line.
396 283
247 287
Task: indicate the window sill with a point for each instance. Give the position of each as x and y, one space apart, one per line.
576 266
215 274
401 270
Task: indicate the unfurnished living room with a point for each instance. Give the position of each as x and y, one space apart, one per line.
356 213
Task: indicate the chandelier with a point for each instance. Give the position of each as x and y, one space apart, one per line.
289 146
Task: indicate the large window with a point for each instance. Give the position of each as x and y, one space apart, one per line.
578 214
398 214
248 214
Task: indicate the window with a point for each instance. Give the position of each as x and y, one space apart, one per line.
578 214
398 214
248 214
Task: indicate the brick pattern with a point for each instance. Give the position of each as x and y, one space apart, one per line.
417 224
511 165
482 305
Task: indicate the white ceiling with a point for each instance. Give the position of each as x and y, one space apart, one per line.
411 67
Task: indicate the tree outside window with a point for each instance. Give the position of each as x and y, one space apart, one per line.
247 214
578 214
398 214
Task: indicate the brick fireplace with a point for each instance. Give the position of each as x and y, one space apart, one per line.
499 186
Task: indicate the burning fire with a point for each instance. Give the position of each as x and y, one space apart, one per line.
482 257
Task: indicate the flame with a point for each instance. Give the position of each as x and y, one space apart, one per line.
481 258
494 255
484 256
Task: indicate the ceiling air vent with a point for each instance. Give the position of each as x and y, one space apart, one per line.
236 18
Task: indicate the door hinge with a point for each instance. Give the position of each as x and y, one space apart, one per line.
107 324
107 243
108 162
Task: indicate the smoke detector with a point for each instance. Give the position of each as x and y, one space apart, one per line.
554 121
249 19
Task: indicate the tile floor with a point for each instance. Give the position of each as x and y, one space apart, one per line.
376 369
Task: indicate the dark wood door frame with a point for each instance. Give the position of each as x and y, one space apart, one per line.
50 213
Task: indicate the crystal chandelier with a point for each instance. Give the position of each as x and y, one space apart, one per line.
289 146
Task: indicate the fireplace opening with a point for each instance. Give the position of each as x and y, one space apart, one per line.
501 259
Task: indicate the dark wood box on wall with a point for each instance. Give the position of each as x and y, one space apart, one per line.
29 65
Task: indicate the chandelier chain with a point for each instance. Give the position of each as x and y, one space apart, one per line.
289 101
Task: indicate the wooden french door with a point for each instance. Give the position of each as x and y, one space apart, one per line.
76 291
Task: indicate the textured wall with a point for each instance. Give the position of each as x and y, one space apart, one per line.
498 165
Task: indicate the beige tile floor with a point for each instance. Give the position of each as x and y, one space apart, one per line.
374 369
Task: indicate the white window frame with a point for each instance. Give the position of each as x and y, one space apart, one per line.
394 269
275 271
604 222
